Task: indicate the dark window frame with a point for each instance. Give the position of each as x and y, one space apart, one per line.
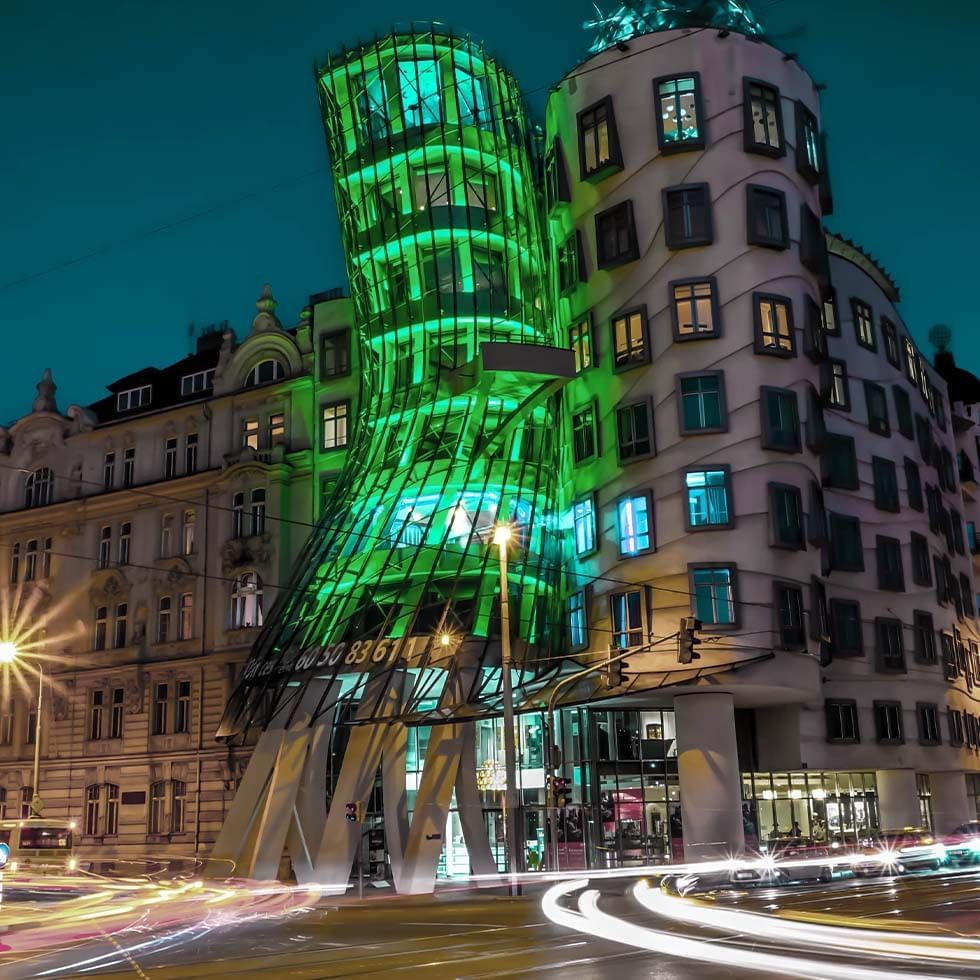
840 649
879 425
920 559
913 487
647 405
729 498
765 392
732 568
871 345
785 641
675 243
924 637
889 580
834 705
722 402
596 451
828 475
885 481
748 122
922 708
776 301
753 193
631 361
669 147
837 520
615 162
624 210
884 706
804 165
774 540
716 328
886 627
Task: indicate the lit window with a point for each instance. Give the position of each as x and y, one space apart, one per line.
598 142
432 189
774 325
763 119
371 101
630 339
580 340
126 401
830 314
911 361
807 143
277 428
626 610
708 503
577 630
583 519
864 324
702 403
421 92
335 418
890 335
695 310
714 595
679 113
246 601
634 523
837 391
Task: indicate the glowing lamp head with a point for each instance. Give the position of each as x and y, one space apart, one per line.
8 652
445 639
502 535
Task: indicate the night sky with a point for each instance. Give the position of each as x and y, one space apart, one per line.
200 119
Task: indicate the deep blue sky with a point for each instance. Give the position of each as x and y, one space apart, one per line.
119 117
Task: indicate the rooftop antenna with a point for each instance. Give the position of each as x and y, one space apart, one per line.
191 333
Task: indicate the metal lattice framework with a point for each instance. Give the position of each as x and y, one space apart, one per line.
457 423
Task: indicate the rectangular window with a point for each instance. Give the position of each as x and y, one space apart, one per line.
629 336
788 601
910 361
155 823
598 142
694 309
928 718
835 389
615 236
702 403
116 715
129 466
334 425
111 810
885 483
178 805
903 411
877 403
568 264
780 420
708 498
170 458
763 127
481 191
164 617
30 561
687 216
334 354
119 626
96 711
109 471
190 452
583 521
888 722
891 574
679 113
584 442
185 616
93 796
846 548
105 547
786 515
125 538
276 429
921 561
924 635
555 176
250 433
577 628
846 631
814 337
889 648
842 721
431 189
101 628
807 144
634 519
634 431
161 700
626 612
182 714
864 324
913 484
774 325
187 532
713 589
766 215
126 401
194 384
580 340
831 322
890 336
421 92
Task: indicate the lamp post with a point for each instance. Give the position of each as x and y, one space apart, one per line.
9 652
501 538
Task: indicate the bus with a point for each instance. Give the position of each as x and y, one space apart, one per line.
39 846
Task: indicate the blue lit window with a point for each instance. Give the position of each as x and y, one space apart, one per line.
372 105
471 90
583 519
421 92
626 610
633 515
577 635
707 498
714 595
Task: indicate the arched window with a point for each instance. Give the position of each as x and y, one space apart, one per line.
264 372
246 601
238 515
39 487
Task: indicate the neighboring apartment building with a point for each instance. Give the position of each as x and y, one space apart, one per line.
144 539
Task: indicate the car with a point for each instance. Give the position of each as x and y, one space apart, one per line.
898 851
800 859
963 843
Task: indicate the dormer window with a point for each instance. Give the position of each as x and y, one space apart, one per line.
193 384
132 398
39 487
264 372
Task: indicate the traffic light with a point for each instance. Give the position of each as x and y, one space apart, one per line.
687 641
612 673
563 790
354 813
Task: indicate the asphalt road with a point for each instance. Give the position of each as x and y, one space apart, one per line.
469 936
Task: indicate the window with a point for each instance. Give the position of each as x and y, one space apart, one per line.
580 340
481 191
126 401
258 510
14 563
577 627
910 361
955 719
190 452
767 224
814 337
158 800
634 518
185 616
626 612
788 601
774 325
634 431
569 266
786 516
93 795
182 715
891 574
101 620
702 403
335 419
334 354
921 564
116 713
238 514
598 141
583 521
971 536
888 722
687 216
129 466
105 547
842 721
265 372
846 548
584 441
846 631
890 336
928 718
119 626
889 649
109 470
46 558
39 487
780 420
807 144
913 484
956 524
923 434
193 384
276 429
125 539
629 334
708 498
161 698
111 809
164 616
874 396
903 411
694 309
170 458
713 588
178 805
679 113
555 176
246 601
864 324
187 532
166 535
763 127
615 236
30 561
250 433
431 189
924 636
885 483
6 731
831 322
835 389
96 710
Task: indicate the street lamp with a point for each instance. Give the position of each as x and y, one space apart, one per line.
9 653
502 535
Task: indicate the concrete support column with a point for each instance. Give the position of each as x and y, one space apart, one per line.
949 804
710 781
898 799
